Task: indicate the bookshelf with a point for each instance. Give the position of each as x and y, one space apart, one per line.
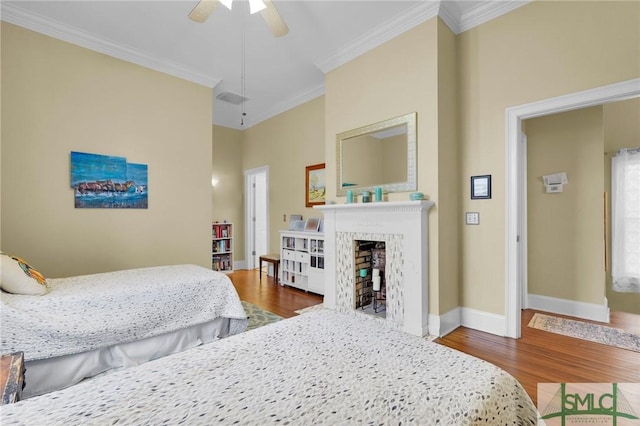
302 260
222 247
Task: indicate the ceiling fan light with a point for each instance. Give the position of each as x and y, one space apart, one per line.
256 6
227 3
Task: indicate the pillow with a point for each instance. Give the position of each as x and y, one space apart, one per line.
18 277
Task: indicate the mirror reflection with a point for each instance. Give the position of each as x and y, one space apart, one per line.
380 154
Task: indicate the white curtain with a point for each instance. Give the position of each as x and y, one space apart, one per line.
625 233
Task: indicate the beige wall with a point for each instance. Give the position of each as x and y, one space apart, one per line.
57 97
228 195
287 143
621 130
396 78
539 51
565 230
448 172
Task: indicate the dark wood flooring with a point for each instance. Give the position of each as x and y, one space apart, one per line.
537 357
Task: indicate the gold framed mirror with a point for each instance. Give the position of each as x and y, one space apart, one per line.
382 155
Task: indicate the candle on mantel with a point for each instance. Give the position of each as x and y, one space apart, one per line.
363 272
378 193
376 272
349 196
376 283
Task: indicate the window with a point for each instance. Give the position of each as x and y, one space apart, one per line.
625 235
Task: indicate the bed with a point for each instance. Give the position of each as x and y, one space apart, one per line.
322 367
85 325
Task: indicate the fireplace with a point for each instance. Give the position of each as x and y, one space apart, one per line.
369 280
401 228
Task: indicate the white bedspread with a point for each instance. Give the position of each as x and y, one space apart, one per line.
88 312
319 368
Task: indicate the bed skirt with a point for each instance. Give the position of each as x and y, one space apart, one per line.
51 374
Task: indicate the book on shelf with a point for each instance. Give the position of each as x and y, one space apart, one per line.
221 230
221 246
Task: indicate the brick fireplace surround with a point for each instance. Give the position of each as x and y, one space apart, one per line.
403 226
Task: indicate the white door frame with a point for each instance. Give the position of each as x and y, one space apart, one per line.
522 223
514 175
248 210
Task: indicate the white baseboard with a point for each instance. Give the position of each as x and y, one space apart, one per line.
434 325
444 324
239 264
589 311
467 317
483 321
496 324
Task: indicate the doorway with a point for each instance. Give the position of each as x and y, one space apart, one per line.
256 189
516 226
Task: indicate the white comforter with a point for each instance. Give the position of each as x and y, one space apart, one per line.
88 312
319 368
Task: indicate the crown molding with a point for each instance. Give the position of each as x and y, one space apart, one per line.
14 15
449 11
451 14
402 23
486 11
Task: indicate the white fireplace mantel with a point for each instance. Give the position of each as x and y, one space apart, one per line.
406 223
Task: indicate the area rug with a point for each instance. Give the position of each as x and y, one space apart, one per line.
258 316
310 309
586 331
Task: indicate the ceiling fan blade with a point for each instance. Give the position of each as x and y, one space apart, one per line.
203 9
273 19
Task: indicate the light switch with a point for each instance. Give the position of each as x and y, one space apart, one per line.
472 218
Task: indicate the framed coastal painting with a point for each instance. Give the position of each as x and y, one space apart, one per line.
105 181
315 188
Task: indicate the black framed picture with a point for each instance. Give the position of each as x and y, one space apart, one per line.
481 187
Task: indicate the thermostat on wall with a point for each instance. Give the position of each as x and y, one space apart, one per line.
553 183
472 218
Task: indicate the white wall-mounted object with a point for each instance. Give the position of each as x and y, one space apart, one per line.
553 188
472 218
554 183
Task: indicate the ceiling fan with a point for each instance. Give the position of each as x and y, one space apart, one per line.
267 9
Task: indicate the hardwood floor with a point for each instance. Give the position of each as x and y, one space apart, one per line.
268 295
543 357
538 357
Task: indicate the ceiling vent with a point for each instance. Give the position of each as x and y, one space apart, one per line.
232 98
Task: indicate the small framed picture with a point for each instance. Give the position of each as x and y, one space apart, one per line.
314 185
481 187
312 224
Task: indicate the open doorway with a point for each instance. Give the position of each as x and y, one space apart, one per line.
256 183
515 233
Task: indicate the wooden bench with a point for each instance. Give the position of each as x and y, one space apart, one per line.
274 259
11 377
